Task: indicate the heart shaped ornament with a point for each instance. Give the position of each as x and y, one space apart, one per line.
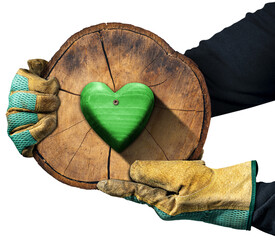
117 117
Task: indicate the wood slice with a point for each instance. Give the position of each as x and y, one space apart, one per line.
117 54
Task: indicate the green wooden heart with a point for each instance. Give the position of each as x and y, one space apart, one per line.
117 117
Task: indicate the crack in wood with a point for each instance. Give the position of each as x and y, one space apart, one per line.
66 91
106 58
157 143
157 84
108 164
151 63
175 109
119 51
48 165
77 150
66 128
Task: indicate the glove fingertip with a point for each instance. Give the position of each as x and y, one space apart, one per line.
55 85
101 185
134 170
37 66
117 188
28 152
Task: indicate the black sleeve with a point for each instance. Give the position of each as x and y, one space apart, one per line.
239 62
264 212
239 67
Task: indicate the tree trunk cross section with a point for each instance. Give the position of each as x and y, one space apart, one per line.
117 54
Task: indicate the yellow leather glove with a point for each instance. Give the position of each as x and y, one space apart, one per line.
33 103
190 190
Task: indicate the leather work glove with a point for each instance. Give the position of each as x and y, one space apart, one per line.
190 190
33 103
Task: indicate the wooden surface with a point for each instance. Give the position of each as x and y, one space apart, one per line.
117 54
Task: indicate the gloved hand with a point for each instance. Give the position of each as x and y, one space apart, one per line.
33 103
190 190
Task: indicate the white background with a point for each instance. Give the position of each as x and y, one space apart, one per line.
33 205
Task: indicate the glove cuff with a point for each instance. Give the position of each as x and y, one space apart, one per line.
254 171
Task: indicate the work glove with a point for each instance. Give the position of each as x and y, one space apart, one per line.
33 103
190 190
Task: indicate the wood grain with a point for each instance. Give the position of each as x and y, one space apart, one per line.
117 54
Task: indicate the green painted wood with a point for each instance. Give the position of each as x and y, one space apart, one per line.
117 117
